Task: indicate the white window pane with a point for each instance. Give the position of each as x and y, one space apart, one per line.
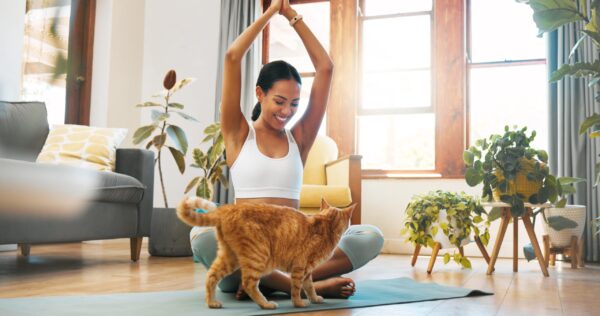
396 89
284 42
380 7
303 104
40 52
397 142
409 47
509 96
504 30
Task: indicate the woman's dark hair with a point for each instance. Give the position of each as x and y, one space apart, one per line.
269 74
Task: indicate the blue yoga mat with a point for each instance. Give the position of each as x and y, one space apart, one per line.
179 303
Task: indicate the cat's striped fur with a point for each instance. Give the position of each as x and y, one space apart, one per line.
258 238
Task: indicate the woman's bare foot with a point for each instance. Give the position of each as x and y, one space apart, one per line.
336 287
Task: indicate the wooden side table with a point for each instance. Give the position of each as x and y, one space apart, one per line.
505 220
574 250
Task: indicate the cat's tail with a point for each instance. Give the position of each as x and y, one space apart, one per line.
197 211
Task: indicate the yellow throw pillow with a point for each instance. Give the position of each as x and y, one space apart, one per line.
82 146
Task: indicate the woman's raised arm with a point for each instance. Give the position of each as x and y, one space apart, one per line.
307 127
233 124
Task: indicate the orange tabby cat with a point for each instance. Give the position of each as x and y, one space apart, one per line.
258 238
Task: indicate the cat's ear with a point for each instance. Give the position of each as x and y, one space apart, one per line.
324 204
349 210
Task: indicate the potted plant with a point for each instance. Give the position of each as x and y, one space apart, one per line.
211 163
511 170
168 235
446 218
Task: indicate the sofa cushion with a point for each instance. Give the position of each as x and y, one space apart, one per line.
23 129
311 194
82 146
116 187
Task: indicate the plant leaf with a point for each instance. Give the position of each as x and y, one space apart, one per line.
192 184
494 214
148 104
589 122
468 157
574 48
473 177
446 258
560 222
176 105
549 15
576 70
203 190
187 117
158 116
562 203
159 140
178 137
142 133
465 262
179 159
182 83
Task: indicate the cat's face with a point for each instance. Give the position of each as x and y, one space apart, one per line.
340 216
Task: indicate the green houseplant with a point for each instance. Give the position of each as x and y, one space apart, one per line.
211 163
162 129
451 215
510 169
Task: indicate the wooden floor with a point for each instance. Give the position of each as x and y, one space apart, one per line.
92 268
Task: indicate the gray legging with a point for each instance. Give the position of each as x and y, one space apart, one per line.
361 243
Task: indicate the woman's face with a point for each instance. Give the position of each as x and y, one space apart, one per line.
280 103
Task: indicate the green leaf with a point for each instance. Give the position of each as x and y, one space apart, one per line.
529 252
149 144
159 140
562 203
192 184
543 155
182 83
176 105
446 258
473 177
574 48
494 214
548 15
142 133
212 129
468 157
178 137
158 116
568 189
187 117
203 190
465 262
147 104
560 222
576 70
179 159
589 122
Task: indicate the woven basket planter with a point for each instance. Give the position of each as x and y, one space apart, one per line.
520 184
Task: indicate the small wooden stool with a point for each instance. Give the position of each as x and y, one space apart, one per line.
438 246
575 251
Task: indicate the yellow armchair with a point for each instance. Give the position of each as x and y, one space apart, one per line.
338 180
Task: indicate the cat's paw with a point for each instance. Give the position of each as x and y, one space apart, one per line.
317 299
269 305
300 303
214 304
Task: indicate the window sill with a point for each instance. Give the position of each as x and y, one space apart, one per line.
389 174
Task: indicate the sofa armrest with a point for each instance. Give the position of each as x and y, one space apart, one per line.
139 163
346 171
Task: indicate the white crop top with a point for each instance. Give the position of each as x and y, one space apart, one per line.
255 175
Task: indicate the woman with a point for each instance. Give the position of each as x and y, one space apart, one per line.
266 160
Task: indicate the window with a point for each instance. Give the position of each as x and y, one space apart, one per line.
430 77
285 44
56 32
396 121
507 71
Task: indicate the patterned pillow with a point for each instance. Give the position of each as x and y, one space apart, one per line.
82 146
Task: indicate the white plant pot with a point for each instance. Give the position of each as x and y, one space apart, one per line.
441 237
562 238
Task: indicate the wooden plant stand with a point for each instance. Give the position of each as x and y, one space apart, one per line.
438 246
526 219
574 250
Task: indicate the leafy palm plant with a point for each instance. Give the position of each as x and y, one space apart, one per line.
162 129
211 163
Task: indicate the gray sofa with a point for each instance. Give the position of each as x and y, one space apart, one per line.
121 206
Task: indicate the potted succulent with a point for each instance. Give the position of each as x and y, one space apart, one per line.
211 163
511 170
168 235
446 218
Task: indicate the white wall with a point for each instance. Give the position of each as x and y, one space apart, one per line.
12 17
182 35
384 202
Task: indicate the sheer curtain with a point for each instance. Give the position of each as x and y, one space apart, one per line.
571 101
236 16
